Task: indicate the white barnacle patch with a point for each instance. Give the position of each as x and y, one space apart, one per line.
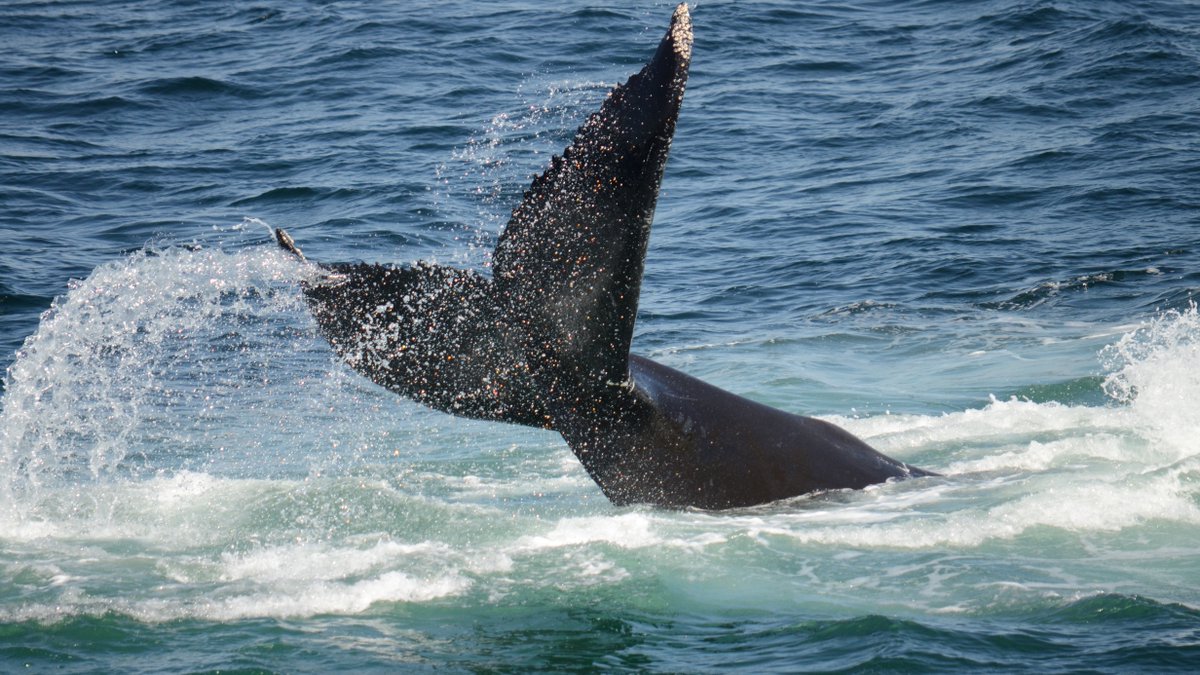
681 32
626 384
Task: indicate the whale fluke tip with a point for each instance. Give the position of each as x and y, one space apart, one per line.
286 242
681 31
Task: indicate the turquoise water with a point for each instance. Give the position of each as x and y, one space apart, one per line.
967 232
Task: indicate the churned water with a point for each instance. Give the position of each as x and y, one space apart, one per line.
968 232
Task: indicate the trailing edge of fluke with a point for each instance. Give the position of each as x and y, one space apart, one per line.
545 341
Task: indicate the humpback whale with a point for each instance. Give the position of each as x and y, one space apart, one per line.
545 340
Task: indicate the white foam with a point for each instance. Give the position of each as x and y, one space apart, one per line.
1041 456
630 530
294 601
318 561
1003 512
1155 369
314 598
997 420
582 571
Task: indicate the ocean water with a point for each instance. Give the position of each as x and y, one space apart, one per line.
968 232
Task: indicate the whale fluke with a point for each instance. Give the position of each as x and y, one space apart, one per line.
545 341
571 257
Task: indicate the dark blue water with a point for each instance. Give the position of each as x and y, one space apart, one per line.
969 232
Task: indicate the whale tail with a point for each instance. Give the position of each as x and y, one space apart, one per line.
557 316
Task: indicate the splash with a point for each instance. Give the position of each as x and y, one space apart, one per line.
1155 369
510 147
152 356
